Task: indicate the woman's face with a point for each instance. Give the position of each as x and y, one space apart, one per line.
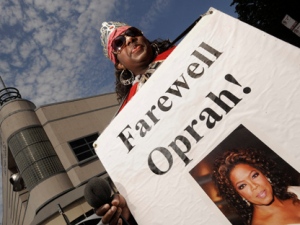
251 184
136 55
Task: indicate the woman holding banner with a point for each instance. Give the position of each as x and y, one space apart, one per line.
135 59
254 186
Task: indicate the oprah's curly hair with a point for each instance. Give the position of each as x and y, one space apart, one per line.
158 47
224 165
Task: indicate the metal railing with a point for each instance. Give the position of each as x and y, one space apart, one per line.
8 94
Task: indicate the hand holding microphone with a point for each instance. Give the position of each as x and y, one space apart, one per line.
111 206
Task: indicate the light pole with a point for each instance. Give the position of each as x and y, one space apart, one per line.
61 212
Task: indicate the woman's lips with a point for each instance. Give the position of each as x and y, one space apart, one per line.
135 49
262 194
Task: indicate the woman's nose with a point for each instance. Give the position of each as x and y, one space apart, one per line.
130 40
254 186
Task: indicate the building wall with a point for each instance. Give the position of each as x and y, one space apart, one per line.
24 155
62 122
71 120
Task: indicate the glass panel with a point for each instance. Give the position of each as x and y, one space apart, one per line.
76 143
34 156
92 138
84 156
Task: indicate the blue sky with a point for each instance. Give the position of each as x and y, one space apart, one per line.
51 51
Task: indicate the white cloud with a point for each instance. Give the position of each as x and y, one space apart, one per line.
10 12
26 48
52 48
7 45
4 67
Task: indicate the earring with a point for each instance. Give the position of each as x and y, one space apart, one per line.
269 180
126 81
248 203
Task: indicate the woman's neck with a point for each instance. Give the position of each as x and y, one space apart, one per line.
144 66
279 212
140 71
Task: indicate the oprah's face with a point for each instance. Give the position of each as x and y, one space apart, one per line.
251 184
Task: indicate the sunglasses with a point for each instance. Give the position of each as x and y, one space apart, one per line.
119 42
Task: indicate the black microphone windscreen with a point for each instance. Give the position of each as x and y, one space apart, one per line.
97 192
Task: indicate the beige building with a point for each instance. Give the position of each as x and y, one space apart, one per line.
47 157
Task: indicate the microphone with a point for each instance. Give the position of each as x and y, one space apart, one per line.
97 192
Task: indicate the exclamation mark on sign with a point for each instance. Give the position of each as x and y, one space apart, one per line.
231 79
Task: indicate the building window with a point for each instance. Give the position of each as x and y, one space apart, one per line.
83 147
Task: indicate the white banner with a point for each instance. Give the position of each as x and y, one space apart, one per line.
226 84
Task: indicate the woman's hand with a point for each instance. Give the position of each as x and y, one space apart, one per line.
111 213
